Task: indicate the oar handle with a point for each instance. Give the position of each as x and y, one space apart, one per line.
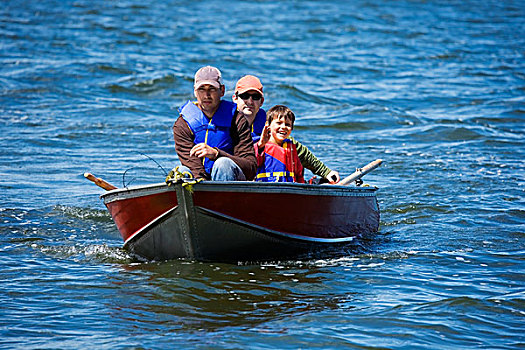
360 172
99 182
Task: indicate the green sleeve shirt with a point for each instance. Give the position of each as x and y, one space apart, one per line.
309 160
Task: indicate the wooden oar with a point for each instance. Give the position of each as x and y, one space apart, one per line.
360 172
99 182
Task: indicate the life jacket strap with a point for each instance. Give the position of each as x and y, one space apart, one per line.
275 174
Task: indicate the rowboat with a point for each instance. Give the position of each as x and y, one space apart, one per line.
239 221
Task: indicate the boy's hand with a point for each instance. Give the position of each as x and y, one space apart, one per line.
265 137
333 177
202 150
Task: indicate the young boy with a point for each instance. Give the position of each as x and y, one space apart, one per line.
277 156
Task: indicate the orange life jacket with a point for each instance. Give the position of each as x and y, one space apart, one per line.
279 163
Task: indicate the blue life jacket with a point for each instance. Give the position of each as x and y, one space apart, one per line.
281 164
258 125
214 132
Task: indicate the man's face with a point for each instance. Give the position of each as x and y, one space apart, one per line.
209 98
248 103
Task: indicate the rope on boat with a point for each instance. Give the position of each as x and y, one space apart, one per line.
186 178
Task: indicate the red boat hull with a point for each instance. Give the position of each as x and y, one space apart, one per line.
239 220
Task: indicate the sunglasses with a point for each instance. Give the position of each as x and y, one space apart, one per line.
246 95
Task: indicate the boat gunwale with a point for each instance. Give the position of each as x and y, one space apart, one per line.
242 186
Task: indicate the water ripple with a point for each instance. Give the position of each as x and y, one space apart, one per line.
436 90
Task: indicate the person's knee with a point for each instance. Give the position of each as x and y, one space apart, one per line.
224 163
225 169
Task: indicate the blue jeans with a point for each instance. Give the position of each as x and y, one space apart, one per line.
224 169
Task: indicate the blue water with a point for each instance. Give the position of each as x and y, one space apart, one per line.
435 88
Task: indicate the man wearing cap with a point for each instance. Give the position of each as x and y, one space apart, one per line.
212 140
249 98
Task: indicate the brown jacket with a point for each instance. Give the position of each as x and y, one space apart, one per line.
243 152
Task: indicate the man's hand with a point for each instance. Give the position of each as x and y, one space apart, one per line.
333 177
202 150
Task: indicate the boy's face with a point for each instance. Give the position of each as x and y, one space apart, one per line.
280 130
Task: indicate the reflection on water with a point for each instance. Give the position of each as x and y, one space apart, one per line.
211 296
